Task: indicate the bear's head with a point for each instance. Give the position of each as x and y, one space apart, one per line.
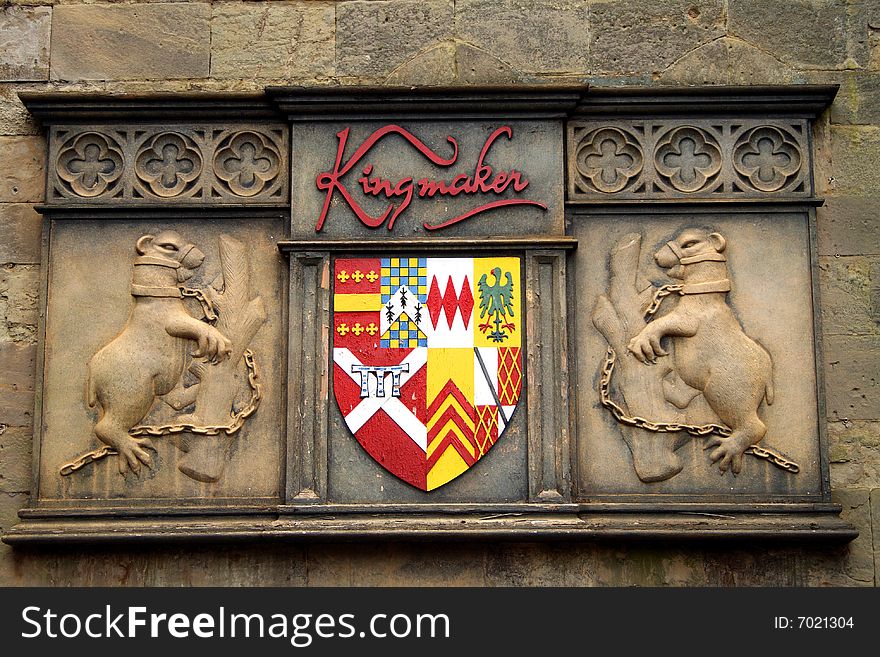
690 246
168 249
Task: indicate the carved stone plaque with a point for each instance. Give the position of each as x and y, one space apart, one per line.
538 312
151 382
718 352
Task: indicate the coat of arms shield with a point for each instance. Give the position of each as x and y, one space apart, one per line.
427 359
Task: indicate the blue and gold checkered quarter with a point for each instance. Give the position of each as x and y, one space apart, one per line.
407 272
403 334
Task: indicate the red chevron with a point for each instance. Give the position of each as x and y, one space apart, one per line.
450 389
450 302
449 414
451 439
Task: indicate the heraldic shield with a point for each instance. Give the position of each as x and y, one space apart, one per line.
427 359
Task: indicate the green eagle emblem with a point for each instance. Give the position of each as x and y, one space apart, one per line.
496 301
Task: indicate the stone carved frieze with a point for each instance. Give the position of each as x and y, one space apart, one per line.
655 159
195 366
688 159
247 162
664 361
89 164
766 158
168 164
607 159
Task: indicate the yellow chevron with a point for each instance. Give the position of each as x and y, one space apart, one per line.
450 426
450 401
441 410
447 468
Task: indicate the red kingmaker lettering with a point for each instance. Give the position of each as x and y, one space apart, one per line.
483 180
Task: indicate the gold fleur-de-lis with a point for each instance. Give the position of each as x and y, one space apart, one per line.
372 276
342 329
342 276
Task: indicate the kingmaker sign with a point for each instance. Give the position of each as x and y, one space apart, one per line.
482 181
527 312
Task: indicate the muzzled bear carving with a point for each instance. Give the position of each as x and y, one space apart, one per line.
147 359
713 355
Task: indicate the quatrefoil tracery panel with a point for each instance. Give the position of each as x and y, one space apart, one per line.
677 159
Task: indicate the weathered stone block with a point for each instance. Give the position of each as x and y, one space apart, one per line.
374 38
22 169
849 226
15 460
24 42
530 36
228 566
850 288
854 454
808 34
17 362
10 572
402 564
435 66
577 564
724 566
636 36
16 407
852 368
729 61
290 40
21 227
123 42
197 565
476 66
19 299
14 118
854 160
329 565
857 100
875 525
859 560
16 393
526 565
657 566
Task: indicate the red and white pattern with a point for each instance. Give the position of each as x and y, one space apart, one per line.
450 303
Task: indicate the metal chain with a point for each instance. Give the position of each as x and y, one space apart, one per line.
767 453
84 459
661 293
207 306
238 420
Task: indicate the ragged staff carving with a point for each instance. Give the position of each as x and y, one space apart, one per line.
619 315
148 358
713 356
238 318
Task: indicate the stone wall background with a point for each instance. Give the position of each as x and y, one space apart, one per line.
152 45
